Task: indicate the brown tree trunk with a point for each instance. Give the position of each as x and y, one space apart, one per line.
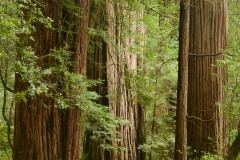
121 68
208 39
182 95
141 132
42 130
96 70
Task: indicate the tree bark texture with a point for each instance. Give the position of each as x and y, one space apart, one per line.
182 94
96 70
42 130
121 67
206 124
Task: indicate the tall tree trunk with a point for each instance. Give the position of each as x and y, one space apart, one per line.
141 132
208 40
121 67
181 122
97 70
140 119
42 130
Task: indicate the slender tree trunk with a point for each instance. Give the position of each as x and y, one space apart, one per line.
141 132
182 95
140 119
206 124
42 130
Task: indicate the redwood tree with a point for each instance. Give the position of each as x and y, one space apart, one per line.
96 70
206 125
121 68
42 129
181 122
112 60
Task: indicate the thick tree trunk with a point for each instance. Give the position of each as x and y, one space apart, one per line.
121 67
181 122
119 63
96 70
42 130
208 40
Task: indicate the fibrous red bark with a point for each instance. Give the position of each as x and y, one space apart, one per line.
42 130
207 131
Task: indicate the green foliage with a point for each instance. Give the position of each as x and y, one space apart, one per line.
102 125
157 79
232 106
20 96
56 80
10 26
5 151
211 157
155 83
232 136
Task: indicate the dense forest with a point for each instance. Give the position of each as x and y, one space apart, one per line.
119 79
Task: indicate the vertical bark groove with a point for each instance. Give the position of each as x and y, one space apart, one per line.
182 95
121 66
208 39
96 66
42 130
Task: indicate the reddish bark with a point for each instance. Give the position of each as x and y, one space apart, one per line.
42 130
208 39
182 95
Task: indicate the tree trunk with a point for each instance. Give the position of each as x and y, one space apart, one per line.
182 95
206 124
141 132
121 68
97 71
42 130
